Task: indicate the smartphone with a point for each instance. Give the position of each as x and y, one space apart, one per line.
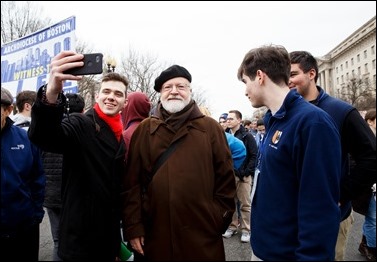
92 65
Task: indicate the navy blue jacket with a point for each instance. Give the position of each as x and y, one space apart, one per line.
22 180
295 213
357 141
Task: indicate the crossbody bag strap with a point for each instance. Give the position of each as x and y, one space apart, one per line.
161 159
164 156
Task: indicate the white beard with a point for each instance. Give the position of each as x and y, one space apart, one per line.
174 106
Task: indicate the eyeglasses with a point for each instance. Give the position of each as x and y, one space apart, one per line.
229 119
179 87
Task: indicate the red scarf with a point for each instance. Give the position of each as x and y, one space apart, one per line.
114 122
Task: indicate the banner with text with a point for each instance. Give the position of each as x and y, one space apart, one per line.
25 62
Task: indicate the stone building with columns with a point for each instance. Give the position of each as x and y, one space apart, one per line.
355 57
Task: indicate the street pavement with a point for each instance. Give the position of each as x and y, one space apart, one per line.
235 250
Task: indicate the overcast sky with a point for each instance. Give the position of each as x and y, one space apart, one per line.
210 39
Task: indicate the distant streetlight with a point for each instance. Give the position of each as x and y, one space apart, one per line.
111 64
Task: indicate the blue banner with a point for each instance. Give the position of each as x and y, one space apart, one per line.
25 62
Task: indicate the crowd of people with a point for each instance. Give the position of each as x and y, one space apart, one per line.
173 182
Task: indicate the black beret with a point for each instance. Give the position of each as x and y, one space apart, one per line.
172 72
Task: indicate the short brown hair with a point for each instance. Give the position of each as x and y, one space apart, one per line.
237 113
26 96
273 60
370 115
112 76
246 122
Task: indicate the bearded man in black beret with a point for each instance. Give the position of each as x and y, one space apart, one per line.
177 208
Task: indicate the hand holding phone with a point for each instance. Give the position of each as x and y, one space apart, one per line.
92 65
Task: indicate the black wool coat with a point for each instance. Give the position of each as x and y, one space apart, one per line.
93 165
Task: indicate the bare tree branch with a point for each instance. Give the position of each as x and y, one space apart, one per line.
141 70
360 93
19 19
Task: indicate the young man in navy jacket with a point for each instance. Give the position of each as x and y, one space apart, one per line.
295 212
357 140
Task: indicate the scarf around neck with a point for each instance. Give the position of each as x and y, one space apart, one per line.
114 122
177 120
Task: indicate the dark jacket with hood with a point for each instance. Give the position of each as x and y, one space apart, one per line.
248 166
136 110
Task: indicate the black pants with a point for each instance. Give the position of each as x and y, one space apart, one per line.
22 245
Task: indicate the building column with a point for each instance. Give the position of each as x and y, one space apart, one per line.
329 88
322 81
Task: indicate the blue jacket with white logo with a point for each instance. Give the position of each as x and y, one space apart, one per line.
22 180
295 213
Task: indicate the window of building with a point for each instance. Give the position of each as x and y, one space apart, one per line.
359 71
347 77
374 63
341 67
372 49
346 64
366 68
336 69
342 79
353 73
365 54
358 58
352 61
337 80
